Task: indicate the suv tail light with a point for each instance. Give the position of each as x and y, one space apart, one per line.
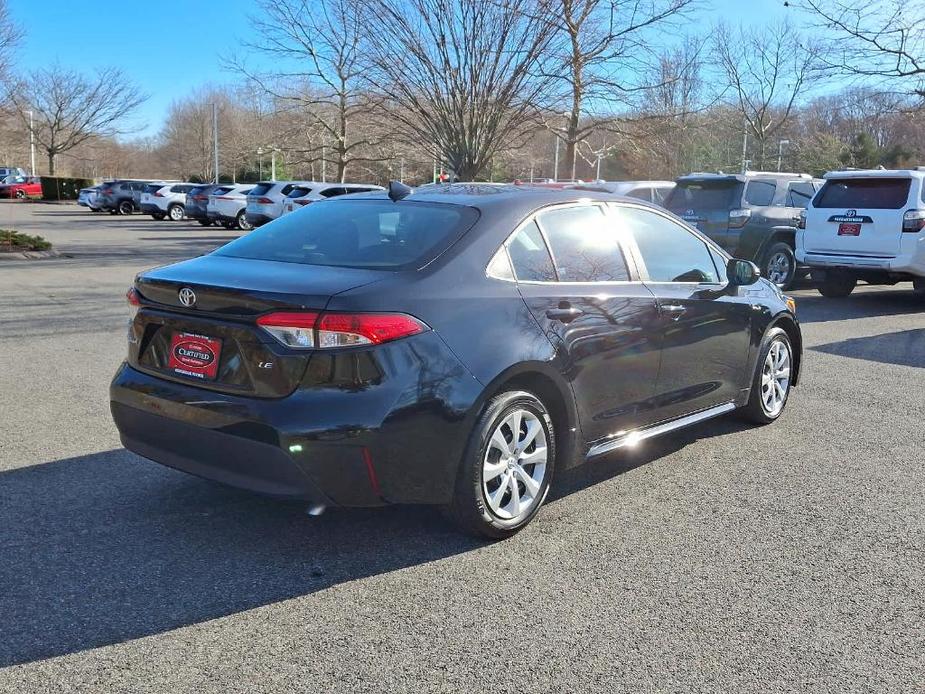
301 201
738 218
801 224
913 221
158 195
309 329
264 201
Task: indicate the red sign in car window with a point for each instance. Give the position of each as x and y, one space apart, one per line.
195 355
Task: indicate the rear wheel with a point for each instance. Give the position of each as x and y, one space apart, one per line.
176 213
779 265
242 223
506 468
126 207
772 380
837 285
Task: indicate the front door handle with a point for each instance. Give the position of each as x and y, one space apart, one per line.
672 311
564 314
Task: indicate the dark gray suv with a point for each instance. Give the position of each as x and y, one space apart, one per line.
752 215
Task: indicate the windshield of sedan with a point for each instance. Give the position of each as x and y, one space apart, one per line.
374 234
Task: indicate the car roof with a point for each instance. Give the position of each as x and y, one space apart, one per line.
509 197
720 176
877 173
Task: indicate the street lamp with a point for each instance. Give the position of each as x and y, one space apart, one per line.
260 163
780 151
31 143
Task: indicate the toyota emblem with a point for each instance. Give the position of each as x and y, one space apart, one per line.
852 213
187 297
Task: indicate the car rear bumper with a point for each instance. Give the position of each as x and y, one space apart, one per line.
394 440
257 220
901 264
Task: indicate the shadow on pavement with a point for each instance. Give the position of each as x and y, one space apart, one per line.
906 348
104 548
865 304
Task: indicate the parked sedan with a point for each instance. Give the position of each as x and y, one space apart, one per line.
455 347
21 187
227 205
311 191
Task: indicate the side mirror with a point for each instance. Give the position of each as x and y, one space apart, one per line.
742 272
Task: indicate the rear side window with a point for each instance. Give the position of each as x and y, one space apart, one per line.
584 245
181 189
332 192
153 188
285 190
298 192
760 193
866 193
671 253
799 194
704 195
373 234
529 256
659 195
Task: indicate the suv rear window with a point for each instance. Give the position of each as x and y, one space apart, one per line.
704 195
373 234
261 188
866 193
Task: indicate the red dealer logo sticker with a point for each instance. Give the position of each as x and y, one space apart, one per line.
194 355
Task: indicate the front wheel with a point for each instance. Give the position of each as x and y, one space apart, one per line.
242 223
21 194
506 468
772 380
780 265
176 213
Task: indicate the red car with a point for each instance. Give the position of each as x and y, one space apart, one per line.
21 187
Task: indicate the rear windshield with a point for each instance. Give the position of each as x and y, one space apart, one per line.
261 188
866 193
704 195
376 234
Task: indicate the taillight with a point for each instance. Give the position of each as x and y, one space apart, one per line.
306 330
158 195
264 201
913 221
133 297
738 218
801 224
300 201
222 197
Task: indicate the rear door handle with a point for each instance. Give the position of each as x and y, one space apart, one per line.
564 315
672 311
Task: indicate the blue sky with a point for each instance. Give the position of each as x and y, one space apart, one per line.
172 46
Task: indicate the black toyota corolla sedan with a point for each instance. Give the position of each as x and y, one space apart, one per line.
455 346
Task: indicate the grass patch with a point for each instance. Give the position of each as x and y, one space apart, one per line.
12 241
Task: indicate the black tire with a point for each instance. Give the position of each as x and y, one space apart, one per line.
21 194
837 285
205 222
779 265
241 222
470 509
918 287
158 216
756 411
126 207
176 213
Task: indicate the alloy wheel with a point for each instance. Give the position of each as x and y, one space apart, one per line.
176 213
779 268
514 465
775 378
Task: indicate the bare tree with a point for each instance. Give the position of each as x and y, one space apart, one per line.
768 69
882 39
460 76
315 45
70 109
10 36
605 59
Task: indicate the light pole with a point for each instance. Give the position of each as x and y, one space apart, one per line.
31 143
780 151
555 168
260 163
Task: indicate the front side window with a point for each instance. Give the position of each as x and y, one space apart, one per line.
529 256
584 245
670 252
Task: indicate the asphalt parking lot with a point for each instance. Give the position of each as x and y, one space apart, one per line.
785 558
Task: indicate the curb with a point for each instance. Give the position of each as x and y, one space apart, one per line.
30 255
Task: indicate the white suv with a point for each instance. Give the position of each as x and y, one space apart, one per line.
313 191
265 201
226 205
865 225
162 200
